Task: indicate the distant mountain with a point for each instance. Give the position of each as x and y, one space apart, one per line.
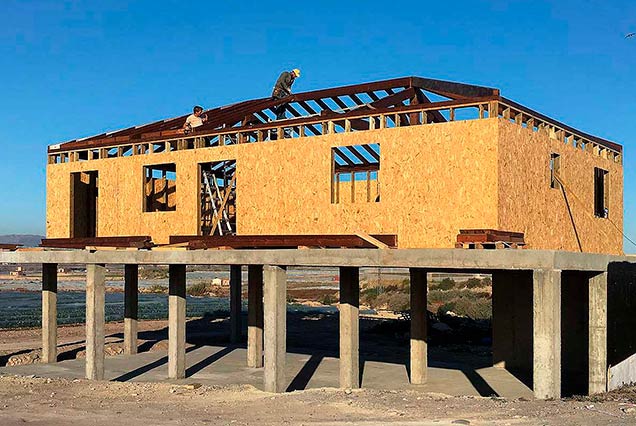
25 240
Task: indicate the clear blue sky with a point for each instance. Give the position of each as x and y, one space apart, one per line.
76 68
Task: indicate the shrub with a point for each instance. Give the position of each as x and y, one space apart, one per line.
328 299
158 288
445 284
394 301
198 289
477 283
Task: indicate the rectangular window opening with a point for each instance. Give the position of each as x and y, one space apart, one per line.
601 193
555 171
355 174
160 188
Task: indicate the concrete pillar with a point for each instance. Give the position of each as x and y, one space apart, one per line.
349 327
547 333
419 352
95 305
255 316
49 312
598 334
275 333
235 304
176 321
131 307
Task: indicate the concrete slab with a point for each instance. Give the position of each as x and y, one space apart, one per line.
225 365
437 259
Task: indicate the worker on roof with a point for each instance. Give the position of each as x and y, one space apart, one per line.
282 89
194 120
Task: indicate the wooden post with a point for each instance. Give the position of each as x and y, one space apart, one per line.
49 312
131 303
255 316
349 327
176 321
95 301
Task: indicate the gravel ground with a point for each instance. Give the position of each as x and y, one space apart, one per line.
41 401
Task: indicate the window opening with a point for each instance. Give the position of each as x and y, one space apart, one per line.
555 171
355 174
160 188
601 192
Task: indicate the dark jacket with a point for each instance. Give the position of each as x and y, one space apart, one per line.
283 85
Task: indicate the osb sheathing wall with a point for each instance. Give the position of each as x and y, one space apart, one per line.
527 203
434 180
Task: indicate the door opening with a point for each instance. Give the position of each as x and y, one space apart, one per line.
218 198
84 193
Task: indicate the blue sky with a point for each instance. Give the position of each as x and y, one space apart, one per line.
75 68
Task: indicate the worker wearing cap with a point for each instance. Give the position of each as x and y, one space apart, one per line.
194 120
282 89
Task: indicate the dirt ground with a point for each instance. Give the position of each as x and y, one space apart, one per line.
38 401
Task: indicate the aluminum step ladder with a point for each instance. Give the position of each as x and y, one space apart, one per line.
216 199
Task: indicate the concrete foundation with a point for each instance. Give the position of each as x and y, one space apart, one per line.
176 321
95 303
49 312
419 350
131 308
236 334
547 333
349 328
255 316
275 333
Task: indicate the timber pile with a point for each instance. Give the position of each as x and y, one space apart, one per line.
489 239
9 247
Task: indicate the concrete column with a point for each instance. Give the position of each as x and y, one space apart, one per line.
349 327
95 301
235 304
176 321
419 352
547 333
255 316
598 334
131 306
275 317
49 312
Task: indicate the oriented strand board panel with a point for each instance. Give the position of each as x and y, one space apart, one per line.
527 203
434 180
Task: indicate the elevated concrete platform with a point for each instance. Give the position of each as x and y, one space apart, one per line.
550 309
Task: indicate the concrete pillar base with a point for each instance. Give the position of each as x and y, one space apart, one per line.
176 321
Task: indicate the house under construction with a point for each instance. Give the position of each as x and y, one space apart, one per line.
416 159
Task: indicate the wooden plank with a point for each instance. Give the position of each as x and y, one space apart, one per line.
368 238
143 241
284 241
